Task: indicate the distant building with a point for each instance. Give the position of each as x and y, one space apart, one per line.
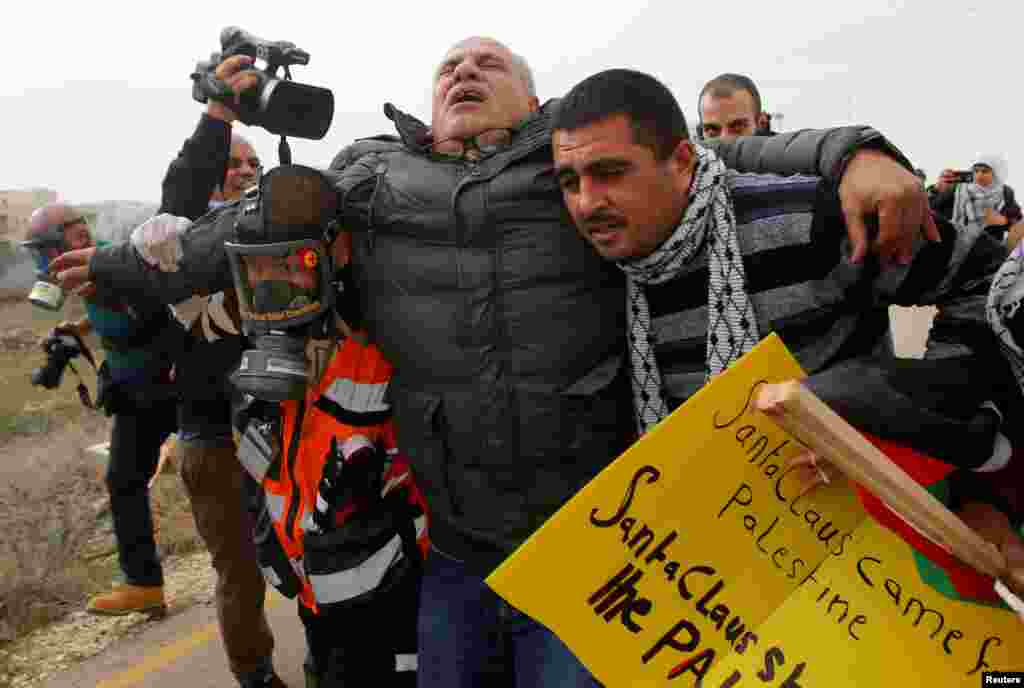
16 208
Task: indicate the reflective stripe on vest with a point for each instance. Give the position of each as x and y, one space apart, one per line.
358 397
254 453
270 575
275 505
407 662
344 585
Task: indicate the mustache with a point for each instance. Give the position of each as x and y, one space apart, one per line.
601 217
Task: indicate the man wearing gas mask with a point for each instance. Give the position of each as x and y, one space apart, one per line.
134 387
344 527
503 326
212 168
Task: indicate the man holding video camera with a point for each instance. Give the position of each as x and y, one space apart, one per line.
133 387
214 167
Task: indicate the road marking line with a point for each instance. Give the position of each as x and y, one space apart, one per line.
172 652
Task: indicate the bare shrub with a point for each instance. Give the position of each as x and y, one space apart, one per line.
57 547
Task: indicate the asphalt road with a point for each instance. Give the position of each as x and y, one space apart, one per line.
185 650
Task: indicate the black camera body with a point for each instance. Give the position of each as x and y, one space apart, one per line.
281 106
60 350
964 176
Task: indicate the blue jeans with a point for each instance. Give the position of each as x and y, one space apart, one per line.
469 637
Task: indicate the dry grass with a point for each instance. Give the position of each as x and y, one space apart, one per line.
56 544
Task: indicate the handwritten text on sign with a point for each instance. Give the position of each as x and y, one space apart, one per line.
699 555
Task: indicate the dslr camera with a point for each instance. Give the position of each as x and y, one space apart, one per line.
281 106
60 348
964 176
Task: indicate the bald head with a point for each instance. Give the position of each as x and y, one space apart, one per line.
50 214
61 225
519 63
479 86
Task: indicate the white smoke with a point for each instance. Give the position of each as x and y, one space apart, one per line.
115 220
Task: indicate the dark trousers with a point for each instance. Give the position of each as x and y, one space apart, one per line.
470 637
134 452
366 644
215 482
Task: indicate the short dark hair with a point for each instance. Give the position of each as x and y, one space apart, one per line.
654 113
724 85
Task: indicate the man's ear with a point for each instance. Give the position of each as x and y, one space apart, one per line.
533 103
683 155
683 160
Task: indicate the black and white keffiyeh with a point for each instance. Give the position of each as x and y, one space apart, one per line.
732 326
970 201
1005 299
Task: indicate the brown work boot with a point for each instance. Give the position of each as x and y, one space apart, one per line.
128 599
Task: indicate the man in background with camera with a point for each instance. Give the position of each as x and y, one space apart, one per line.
213 168
133 387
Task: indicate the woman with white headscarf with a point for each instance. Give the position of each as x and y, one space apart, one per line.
985 201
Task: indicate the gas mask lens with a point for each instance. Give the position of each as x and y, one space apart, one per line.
279 290
283 289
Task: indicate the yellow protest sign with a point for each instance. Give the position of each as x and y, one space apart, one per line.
698 554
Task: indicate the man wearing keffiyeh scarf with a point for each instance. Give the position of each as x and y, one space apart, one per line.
708 221
666 210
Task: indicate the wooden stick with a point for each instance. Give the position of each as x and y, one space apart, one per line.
798 411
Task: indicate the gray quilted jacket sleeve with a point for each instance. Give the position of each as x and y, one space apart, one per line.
817 152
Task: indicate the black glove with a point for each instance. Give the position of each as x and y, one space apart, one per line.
353 480
251 409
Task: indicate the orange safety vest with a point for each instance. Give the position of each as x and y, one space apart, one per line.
348 403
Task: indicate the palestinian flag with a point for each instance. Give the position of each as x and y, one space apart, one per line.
937 567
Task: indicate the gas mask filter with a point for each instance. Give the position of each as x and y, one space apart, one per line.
283 274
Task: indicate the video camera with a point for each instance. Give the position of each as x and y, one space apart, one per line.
281 106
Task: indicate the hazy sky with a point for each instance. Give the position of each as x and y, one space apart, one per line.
96 107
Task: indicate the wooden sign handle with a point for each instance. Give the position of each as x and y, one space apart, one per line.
808 419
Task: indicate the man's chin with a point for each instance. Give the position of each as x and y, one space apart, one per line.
467 126
613 248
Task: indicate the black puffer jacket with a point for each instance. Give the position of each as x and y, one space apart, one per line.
506 331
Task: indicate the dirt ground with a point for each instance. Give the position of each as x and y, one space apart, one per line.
57 546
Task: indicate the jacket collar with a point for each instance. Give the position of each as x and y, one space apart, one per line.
416 135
